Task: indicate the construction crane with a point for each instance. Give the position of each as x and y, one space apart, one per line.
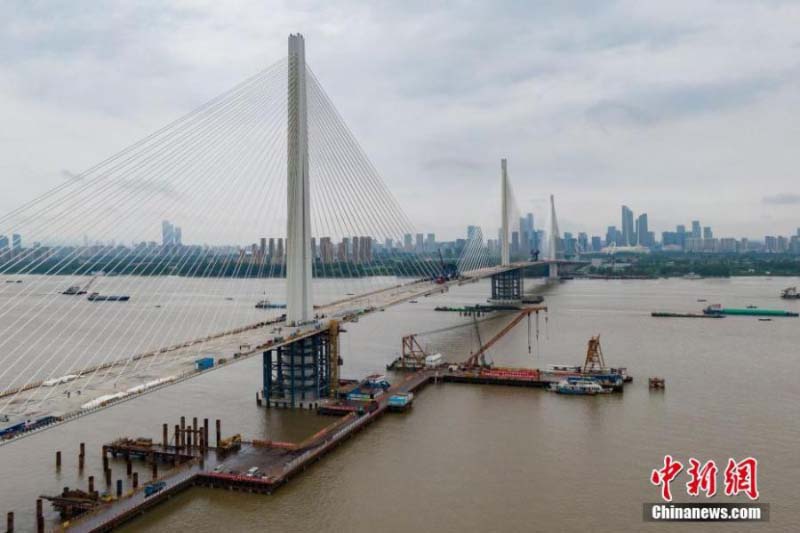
479 355
594 357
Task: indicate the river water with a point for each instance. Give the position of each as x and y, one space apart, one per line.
482 458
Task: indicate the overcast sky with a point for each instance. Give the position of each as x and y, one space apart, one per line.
681 109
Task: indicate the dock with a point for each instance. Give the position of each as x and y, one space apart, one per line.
259 466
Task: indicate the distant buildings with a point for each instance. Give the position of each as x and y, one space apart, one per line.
628 232
170 235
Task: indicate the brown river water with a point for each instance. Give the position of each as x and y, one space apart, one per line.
483 458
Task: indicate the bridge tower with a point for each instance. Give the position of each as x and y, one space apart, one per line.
299 305
507 286
505 251
553 241
303 371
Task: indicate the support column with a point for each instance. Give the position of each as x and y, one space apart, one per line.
505 251
298 232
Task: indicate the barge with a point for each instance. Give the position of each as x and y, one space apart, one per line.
717 309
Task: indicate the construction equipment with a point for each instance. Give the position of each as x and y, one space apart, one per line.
479 355
335 359
413 354
594 357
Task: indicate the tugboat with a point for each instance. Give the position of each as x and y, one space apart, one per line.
790 293
579 386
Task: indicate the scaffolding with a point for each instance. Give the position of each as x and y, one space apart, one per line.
304 371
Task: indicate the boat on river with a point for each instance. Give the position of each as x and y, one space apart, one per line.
581 386
790 293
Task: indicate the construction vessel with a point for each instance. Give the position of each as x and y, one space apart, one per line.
717 309
790 293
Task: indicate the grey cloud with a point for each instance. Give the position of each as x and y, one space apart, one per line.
784 198
657 104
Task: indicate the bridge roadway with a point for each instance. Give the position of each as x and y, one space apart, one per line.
177 362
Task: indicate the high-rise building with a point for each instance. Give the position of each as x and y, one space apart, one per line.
408 244
612 236
167 234
430 242
177 236
597 243
314 253
279 250
262 248
272 249
356 257
325 250
707 233
696 234
16 241
366 250
514 243
628 231
3 243
388 244
583 242
420 243
642 231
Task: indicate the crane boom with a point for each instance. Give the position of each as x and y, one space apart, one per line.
472 361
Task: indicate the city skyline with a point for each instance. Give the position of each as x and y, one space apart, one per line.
583 141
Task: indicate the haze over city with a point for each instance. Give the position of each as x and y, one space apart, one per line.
682 110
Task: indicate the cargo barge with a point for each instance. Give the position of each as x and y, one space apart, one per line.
717 309
663 314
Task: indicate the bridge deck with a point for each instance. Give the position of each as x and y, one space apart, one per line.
177 362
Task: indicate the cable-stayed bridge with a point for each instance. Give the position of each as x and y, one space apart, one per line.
271 156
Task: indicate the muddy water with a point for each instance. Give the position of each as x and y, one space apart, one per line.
470 458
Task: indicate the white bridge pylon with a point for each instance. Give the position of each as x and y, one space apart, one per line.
299 305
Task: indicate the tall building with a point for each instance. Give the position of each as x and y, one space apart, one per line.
583 242
167 233
642 231
325 250
388 244
628 230
430 242
408 244
262 248
356 257
597 243
279 250
514 243
612 236
420 242
177 236
365 252
707 233
696 234
3 243
272 249
16 241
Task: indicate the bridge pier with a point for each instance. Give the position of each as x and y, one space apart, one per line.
302 372
553 271
507 287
